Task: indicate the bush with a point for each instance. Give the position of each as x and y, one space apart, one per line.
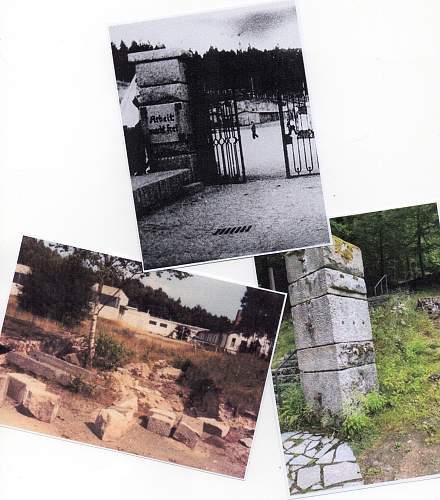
78 386
294 411
110 354
374 403
355 425
182 363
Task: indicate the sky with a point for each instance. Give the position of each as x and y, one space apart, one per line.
262 26
216 296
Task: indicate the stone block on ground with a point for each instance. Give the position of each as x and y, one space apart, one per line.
326 281
111 424
71 368
331 390
4 382
20 384
342 256
73 359
127 405
330 319
188 431
161 421
336 356
42 404
215 427
40 368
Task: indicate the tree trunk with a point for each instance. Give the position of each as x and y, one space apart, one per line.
419 246
92 331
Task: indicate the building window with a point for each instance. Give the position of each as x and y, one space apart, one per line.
109 300
233 342
163 325
152 322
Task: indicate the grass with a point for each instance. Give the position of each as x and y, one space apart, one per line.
285 342
407 344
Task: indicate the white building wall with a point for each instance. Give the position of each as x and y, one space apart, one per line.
108 312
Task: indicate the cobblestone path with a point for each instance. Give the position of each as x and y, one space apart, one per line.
315 462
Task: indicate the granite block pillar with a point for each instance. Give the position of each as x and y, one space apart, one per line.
164 105
331 325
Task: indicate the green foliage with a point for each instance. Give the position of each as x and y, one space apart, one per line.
294 412
374 403
111 354
285 342
58 288
78 386
355 425
402 243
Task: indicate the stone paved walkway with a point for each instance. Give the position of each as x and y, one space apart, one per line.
315 462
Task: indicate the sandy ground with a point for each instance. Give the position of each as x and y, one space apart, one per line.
264 158
284 214
76 424
411 458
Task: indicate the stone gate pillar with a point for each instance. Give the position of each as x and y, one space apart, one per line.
331 325
163 102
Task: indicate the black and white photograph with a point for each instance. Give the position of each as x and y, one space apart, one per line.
166 365
220 142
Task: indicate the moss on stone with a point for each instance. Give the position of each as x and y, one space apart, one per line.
343 248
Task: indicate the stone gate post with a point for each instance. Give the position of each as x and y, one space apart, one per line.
331 325
163 101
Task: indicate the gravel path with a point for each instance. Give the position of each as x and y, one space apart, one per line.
284 214
315 462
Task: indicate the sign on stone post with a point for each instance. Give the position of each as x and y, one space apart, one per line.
331 325
163 101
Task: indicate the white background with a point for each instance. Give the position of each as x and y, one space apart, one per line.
375 90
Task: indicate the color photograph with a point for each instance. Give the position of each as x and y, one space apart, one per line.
357 366
166 365
218 130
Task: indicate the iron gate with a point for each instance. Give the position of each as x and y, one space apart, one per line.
225 138
299 146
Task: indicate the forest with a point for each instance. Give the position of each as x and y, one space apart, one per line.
403 243
261 71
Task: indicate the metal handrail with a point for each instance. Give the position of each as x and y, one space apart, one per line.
383 283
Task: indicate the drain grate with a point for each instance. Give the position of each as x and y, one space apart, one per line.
231 230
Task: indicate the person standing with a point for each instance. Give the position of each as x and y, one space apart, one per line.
254 130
